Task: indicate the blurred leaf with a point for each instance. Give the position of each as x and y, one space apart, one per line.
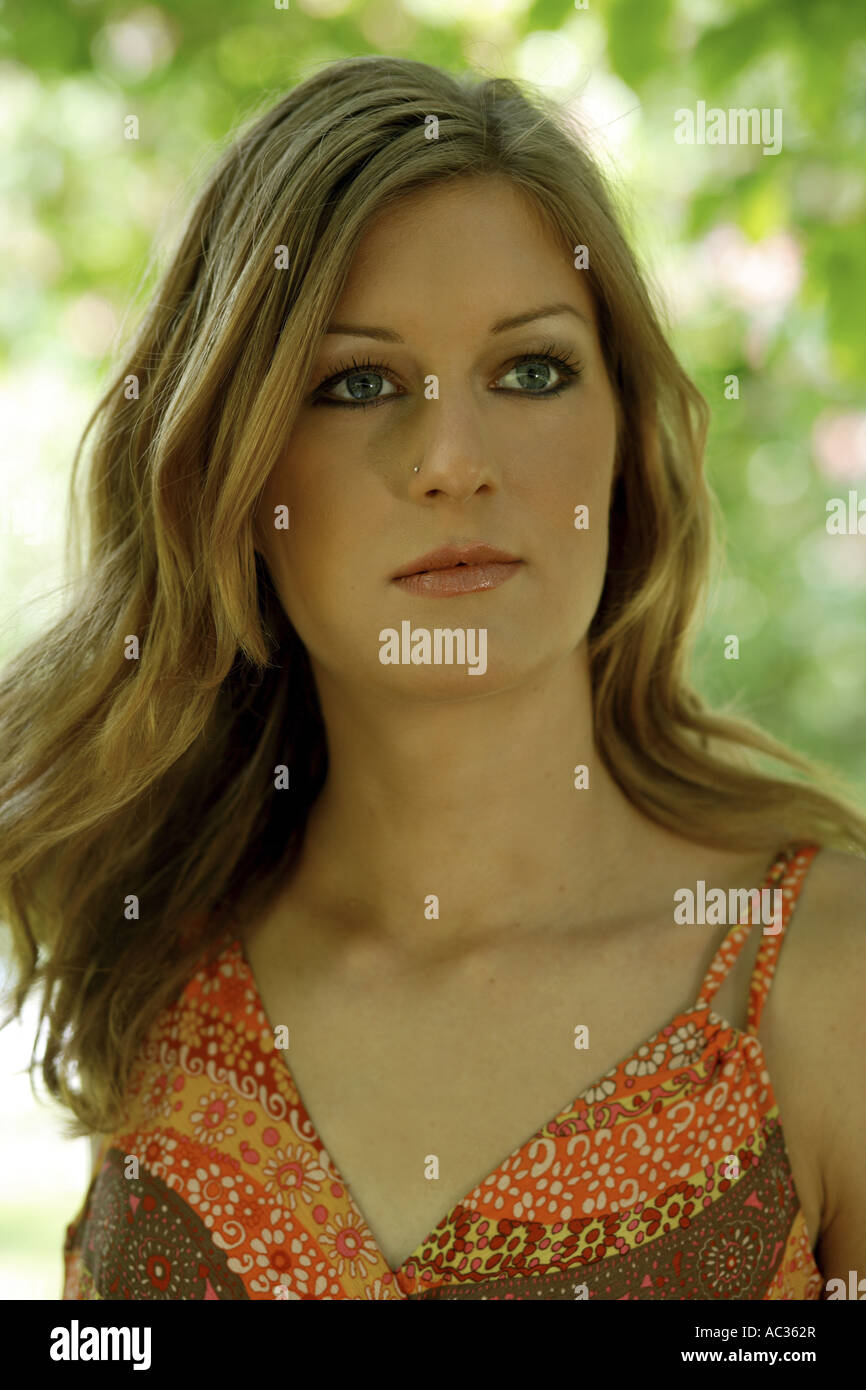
638 37
547 14
764 208
724 50
838 260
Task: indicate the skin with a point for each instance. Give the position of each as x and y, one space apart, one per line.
466 782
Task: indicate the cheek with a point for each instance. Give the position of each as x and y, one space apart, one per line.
287 494
308 561
574 505
574 489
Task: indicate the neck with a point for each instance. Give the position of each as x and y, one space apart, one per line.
468 807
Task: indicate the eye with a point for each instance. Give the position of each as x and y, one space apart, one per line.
533 373
361 380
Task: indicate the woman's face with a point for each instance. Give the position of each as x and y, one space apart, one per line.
505 451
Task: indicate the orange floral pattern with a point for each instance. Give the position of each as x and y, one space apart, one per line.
666 1179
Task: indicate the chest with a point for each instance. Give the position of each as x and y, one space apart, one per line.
421 1083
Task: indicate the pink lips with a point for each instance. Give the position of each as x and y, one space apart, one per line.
457 570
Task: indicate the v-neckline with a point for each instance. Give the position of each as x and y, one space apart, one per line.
276 1059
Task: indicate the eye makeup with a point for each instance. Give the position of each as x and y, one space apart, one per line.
550 355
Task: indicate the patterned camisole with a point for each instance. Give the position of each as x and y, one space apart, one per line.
667 1179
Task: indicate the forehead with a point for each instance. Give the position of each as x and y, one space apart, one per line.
471 240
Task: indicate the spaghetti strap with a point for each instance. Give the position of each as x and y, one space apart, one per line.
792 878
785 874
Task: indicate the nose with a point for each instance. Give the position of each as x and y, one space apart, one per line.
455 458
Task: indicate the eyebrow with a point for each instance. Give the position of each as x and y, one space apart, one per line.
387 335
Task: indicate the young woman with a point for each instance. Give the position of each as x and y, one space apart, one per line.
358 800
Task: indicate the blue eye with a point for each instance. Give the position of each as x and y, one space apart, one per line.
364 372
365 375
548 360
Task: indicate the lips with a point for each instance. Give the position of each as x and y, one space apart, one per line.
449 557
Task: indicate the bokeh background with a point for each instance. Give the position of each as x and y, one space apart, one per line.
758 262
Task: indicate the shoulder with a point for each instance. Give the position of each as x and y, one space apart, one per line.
830 907
823 948
815 1011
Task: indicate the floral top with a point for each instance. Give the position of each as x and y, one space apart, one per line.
667 1179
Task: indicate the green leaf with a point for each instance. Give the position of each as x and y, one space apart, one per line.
639 38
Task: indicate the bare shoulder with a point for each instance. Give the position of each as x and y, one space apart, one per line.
815 1017
824 949
830 908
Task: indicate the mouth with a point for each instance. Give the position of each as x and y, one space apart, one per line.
456 557
457 570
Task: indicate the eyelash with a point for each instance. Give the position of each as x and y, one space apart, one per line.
570 370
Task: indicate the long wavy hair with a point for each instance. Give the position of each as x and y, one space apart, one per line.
138 805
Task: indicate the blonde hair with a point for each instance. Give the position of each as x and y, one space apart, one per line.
151 776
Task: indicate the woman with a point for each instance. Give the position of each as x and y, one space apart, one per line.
361 829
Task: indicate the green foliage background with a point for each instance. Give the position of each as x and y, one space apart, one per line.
759 263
